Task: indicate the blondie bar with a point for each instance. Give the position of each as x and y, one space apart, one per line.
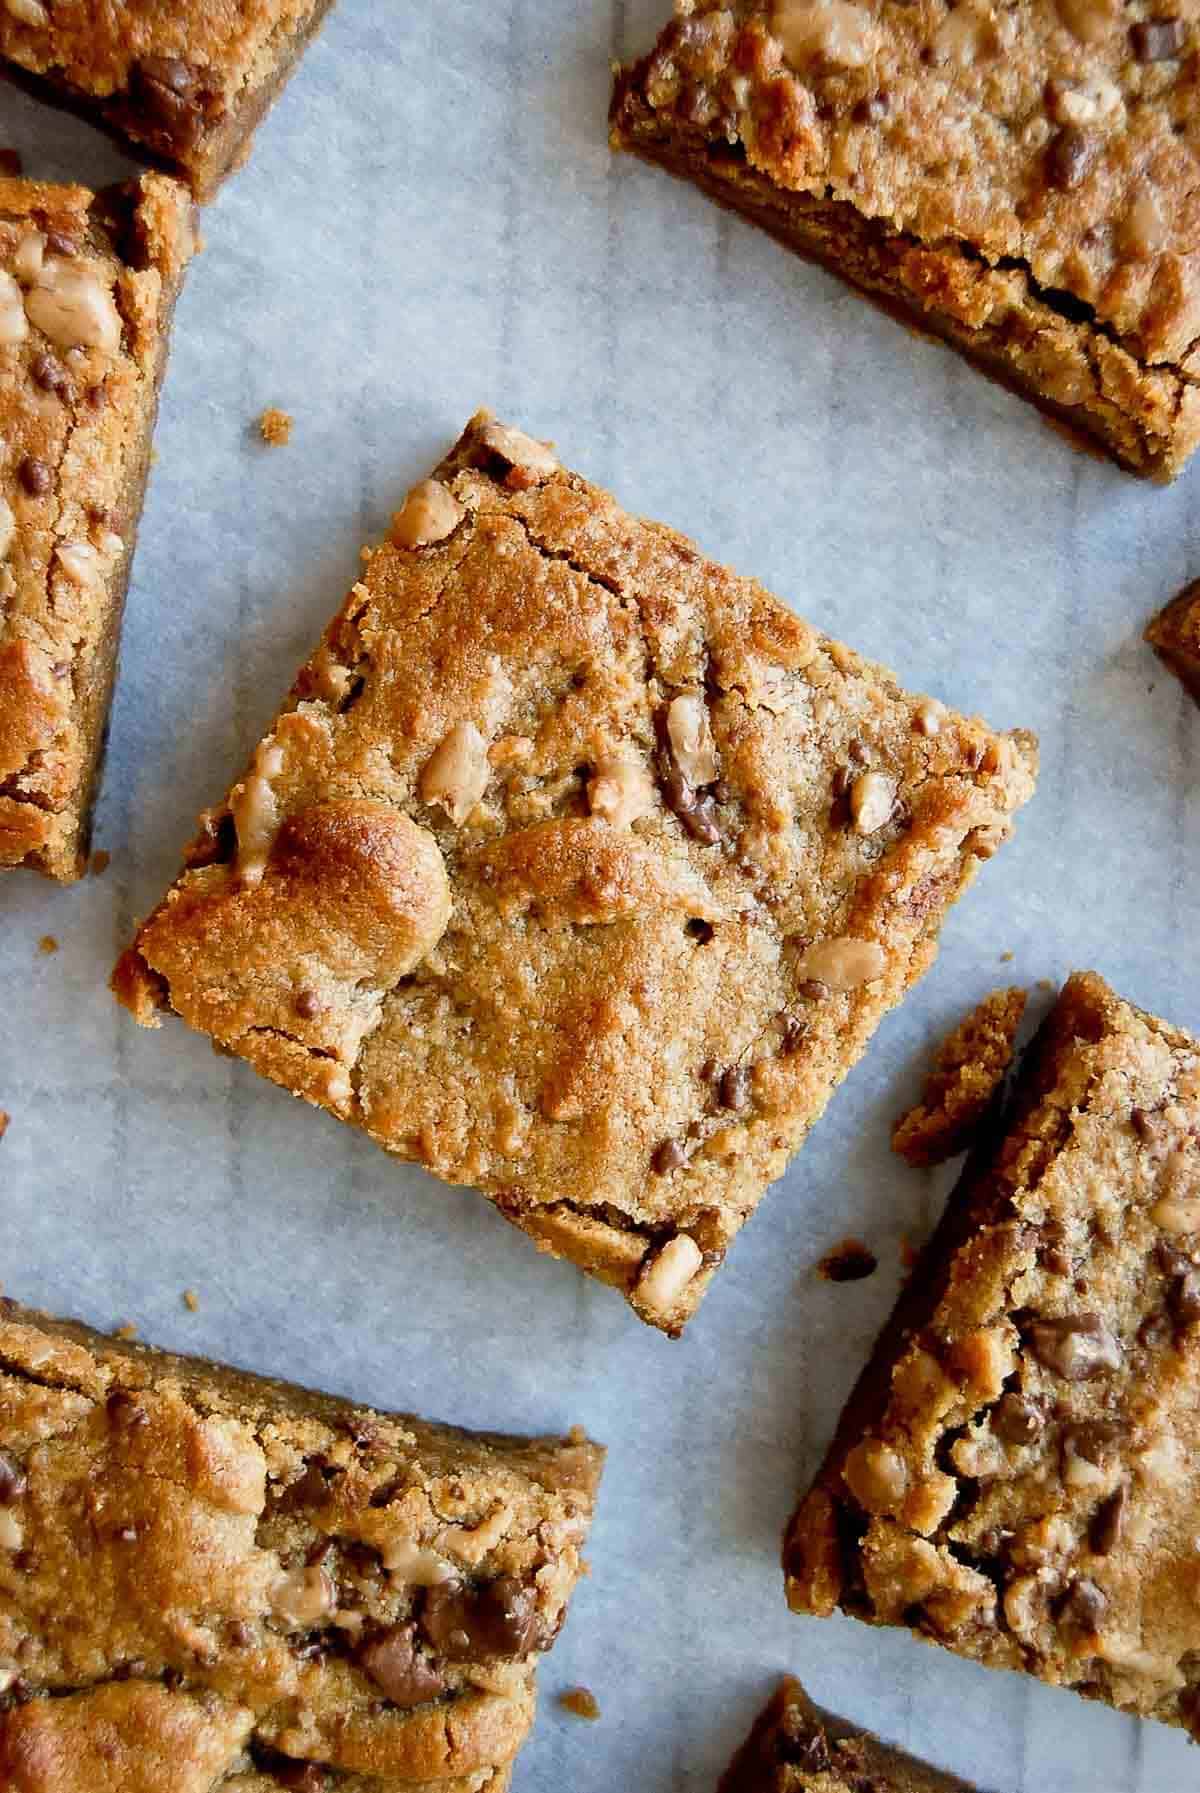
576 868
794 1747
211 1581
186 84
1018 180
1015 1476
1174 634
87 285
967 1072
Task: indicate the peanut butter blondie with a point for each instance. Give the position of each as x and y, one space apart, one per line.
577 868
210 1581
1174 634
796 1748
185 84
87 285
1015 1476
970 1066
1019 180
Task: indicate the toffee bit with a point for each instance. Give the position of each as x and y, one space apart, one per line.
581 1701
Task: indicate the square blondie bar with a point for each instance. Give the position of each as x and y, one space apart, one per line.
209 1581
1015 1475
187 84
1019 180
576 868
794 1747
87 285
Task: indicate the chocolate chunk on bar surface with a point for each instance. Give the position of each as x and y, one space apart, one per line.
794 1747
87 286
577 868
183 83
211 1581
1015 1476
968 1069
1019 182
1174 634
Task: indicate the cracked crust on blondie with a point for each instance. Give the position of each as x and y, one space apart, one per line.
794 1747
211 1581
187 85
1014 1476
1023 182
87 285
968 1069
578 869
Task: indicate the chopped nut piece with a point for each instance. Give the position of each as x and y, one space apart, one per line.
620 790
303 1597
534 460
927 718
429 514
691 739
844 963
839 31
872 801
8 526
275 427
456 775
668 1273
12 1532
256 813
28 12
14 327
71 307
28 257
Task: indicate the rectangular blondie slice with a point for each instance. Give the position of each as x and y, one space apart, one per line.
210 1581
576 868
87 285
794 1747
1016 1474
186 84
1018 180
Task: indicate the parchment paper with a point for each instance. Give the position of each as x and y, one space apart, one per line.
432 220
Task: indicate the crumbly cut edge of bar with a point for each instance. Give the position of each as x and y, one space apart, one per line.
219 151
796 1747
967 1075
161 212
1174 634
937 288
600 1242
69 1357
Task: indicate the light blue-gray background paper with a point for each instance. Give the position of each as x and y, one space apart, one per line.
431 220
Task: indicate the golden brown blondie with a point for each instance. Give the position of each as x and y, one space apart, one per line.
576 868
1015 1475
87 285
1020 180
209 1581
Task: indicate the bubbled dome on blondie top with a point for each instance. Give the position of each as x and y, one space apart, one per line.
577 868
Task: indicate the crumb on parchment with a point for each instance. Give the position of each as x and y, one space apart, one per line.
581 1701
275 427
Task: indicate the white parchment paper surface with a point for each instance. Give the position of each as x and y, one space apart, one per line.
432 220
